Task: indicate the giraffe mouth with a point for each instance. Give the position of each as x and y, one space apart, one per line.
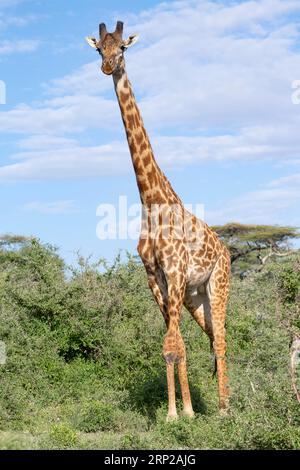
109 66
107 70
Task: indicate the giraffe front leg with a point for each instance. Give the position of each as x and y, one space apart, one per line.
160 293
172 411
170 354
174 352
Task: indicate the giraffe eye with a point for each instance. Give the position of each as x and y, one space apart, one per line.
123 48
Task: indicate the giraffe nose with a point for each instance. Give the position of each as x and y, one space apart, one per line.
107 66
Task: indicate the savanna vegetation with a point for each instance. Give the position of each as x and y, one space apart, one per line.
251 246
84 368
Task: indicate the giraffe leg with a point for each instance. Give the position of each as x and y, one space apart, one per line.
174 352
159 292
172 412
217 291
185 390
171 355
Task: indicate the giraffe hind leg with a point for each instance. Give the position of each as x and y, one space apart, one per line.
217 291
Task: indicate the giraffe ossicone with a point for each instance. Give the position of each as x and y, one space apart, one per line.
185 261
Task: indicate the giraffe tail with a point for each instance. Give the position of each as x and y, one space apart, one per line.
215 368
214 359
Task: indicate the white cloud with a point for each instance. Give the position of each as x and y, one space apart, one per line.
11 21
51 208
38 142
291 181
261 206
13 47
217 75
48 156
87 79
61 115
205 74
277 203
67 162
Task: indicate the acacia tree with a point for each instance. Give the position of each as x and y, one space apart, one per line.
8 240
265 240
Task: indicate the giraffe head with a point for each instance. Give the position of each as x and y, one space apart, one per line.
111 47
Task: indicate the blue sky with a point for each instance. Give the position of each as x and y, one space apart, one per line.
214 83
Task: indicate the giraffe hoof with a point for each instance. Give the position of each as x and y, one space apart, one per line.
224 411
188 414
171 417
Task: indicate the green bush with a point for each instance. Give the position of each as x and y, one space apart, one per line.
84 365
96 416
290 282
63 436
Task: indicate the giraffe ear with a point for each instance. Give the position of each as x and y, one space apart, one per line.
130 41
92 42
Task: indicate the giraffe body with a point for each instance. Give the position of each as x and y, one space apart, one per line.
186 263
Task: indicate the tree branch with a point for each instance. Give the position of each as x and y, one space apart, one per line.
264 259
240 253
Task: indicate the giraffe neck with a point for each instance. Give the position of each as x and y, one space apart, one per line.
153 185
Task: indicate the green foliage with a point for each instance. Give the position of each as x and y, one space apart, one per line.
96 416
84 367
248 243
62 436
132 441
290 283
256 233
13 241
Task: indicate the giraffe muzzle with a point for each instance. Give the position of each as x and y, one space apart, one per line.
108 66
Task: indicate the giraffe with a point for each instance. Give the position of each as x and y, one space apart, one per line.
186 263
